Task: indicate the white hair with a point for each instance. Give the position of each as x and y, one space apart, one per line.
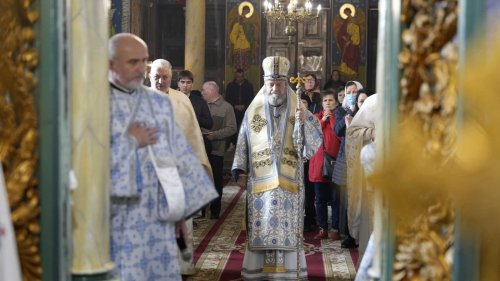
116 40
161 63
213 84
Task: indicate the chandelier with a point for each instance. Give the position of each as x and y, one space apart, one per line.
278 10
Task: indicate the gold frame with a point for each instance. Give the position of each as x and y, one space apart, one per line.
19 129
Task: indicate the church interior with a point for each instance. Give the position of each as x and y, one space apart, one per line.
428 195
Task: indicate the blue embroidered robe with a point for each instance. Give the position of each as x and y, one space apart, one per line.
143 244
274 216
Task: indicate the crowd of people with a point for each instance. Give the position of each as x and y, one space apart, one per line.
168 147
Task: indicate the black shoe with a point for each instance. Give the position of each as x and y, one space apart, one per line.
349 242
214 217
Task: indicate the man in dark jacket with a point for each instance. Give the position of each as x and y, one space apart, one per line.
185 81
239 93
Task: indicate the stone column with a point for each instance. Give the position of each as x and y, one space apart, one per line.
89 101
194 51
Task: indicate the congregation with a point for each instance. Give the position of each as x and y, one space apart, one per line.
296 153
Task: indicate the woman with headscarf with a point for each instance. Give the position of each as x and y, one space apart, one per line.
343 118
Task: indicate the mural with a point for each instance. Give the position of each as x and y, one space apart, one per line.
349 39
119 16
243 40
115 15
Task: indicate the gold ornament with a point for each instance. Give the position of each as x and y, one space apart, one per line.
19 129
426 139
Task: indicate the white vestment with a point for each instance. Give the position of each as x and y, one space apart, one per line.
275 215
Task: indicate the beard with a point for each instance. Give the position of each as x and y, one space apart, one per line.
276 100
136 83
133 84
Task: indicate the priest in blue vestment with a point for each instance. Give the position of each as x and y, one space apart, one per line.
156 179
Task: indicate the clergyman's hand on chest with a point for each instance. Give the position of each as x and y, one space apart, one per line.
142 134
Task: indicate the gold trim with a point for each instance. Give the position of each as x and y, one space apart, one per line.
258 123
263 163
345 6
274 269
245 4
19 129
262 153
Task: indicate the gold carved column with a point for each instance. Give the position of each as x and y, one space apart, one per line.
19 128
419 193
194 51
89 90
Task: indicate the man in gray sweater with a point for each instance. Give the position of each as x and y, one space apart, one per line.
224 126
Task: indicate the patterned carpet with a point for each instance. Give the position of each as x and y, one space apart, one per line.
220 247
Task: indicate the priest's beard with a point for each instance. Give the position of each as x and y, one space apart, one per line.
135 84
130 84
276 100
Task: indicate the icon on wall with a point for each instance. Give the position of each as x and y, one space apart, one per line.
243 35
349 29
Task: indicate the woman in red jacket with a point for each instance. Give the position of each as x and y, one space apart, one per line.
323 187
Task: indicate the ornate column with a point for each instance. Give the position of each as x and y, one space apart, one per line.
89 88
194 51
420 106
19 144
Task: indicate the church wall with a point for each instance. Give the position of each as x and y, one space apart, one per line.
163 23
242 49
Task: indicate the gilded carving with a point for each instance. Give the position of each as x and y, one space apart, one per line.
428 59
18 128
419 188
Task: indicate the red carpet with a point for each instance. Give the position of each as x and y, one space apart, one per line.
220 247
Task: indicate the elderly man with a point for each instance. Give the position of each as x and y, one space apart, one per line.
156 179
266 163
224 126
160 77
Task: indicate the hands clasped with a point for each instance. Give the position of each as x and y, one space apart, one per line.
326 115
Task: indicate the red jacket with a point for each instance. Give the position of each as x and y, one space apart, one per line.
332 146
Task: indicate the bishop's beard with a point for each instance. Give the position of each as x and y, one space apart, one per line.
276 100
